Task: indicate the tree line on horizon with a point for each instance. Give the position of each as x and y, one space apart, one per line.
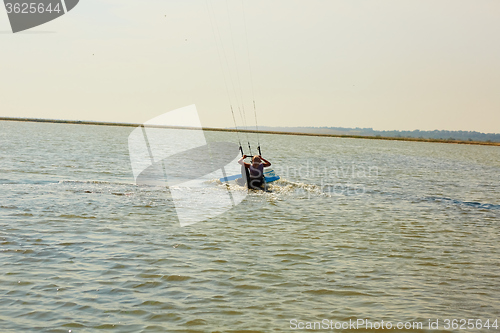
418 134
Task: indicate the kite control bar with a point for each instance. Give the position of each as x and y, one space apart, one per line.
251 156
241 150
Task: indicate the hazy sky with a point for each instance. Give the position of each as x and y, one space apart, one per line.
385 64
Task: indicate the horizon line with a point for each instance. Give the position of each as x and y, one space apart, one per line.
215 129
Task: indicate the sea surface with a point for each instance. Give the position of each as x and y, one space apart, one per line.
372 230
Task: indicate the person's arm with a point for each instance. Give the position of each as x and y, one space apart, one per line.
266 162
240 161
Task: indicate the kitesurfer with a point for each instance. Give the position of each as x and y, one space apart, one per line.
255 173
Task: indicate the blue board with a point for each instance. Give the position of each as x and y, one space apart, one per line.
269 175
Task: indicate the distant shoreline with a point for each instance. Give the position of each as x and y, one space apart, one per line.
101 123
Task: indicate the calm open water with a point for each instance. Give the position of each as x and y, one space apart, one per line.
356 229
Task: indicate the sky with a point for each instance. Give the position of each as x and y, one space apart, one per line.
382 64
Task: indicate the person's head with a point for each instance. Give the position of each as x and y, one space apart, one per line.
256 160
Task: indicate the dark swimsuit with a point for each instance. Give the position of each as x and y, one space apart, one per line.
256 177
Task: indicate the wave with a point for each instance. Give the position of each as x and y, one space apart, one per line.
284 186
471 204
27 182
278 187
56 181
100 182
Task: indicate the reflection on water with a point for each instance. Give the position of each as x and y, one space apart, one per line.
84 248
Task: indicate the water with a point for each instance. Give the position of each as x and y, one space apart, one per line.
356 229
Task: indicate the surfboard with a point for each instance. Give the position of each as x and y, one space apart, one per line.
269 175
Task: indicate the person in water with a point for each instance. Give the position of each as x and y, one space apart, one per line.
255 173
